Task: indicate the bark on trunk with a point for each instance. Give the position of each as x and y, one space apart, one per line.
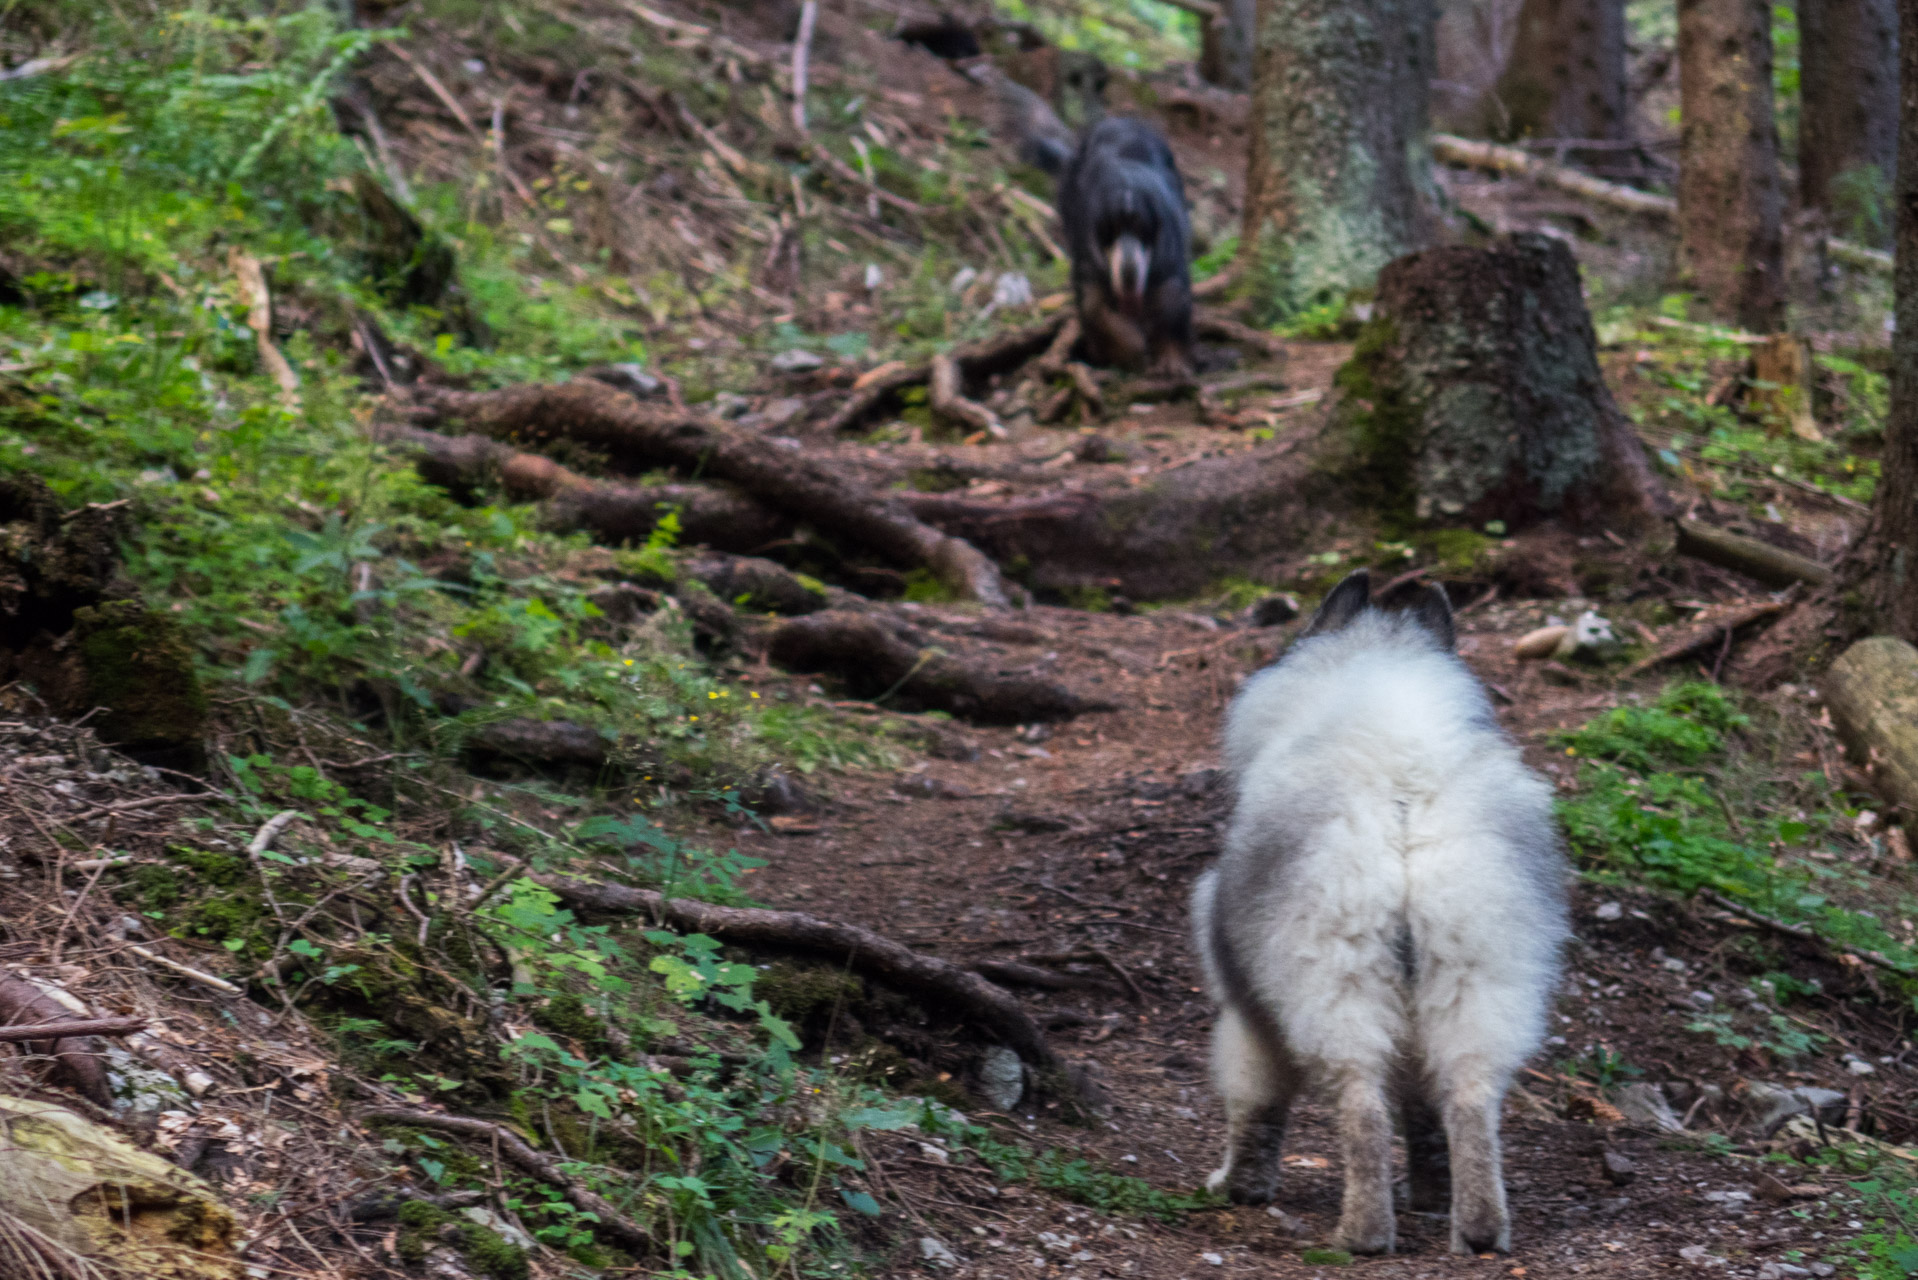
1848 113
1474 394
1566 76
1225 52
1730 240
1340 176
1881 568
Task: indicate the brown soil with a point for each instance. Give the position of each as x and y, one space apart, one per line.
1089 837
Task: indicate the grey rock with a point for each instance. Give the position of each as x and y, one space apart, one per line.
1773 1104
1002 1078
1703 999
1646 1104
1781 1270
630 378
1619 1170
797 361
1609 911
936 1252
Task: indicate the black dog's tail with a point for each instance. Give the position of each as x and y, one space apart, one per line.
1044 140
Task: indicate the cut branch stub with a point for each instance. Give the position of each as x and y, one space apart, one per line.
640 435
1475 394
1872 691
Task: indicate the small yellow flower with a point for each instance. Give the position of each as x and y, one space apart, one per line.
711 694
1571 751
693 718
755 695
629 662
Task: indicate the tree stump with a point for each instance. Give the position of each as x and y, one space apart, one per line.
1474 394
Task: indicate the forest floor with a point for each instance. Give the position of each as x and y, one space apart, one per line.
640 198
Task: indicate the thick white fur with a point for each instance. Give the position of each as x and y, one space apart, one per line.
1378 800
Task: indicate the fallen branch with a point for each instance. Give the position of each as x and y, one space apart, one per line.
62 1030
1861 954
975 360
259 318
514 1148
185 970
643 435
860 950
1702 634
949 403
802 52
1475 154
1760 561
884 658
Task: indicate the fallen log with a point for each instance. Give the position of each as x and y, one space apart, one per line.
548 1169
884 658
1704 632
709 515
860 950
72 1028
1872 691
639 435
1759 561
1474 153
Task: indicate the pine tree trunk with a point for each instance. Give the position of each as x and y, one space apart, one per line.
1566 76
1730 204
1340 175
1225 52
1883 569
1848 120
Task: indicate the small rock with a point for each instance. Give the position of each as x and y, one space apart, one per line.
1002 1078
630 378
935 1252
1823 1269
1771 1190
1287 1223
729 405
1097 448
1859 1067
1213 1259
1699 1256
1703 999
782 411
1609 911
962 279
1618 1169
1275 611
795 360
1644 1103
1780 1270
1727 1197
1011 289
1773 1104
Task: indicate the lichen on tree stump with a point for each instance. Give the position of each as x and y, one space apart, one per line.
1474 394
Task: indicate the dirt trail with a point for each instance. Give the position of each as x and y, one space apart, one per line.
1089 838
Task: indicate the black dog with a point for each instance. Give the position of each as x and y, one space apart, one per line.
1122 205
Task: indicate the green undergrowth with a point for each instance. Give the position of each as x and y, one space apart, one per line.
1694 405
1693 792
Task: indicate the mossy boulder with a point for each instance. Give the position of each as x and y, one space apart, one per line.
138 668
89 1190
1474 394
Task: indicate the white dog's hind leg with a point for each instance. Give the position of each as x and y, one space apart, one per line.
1366 1223
1480 1220
1257 1086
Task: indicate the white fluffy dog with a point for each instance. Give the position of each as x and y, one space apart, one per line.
1386 918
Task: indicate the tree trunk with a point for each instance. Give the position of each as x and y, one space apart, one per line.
1474 394
1340 174
1225 52
1566 77
1848 117
1730 240
1882 568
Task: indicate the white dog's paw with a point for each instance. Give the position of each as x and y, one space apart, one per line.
1215 1183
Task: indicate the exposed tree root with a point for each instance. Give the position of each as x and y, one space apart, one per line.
1759 561
1170 536
883 657
514 1148
980 1002
642 435
950 403
1222 328
709 515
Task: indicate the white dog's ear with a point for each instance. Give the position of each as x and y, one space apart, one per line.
1342 604
1428 605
